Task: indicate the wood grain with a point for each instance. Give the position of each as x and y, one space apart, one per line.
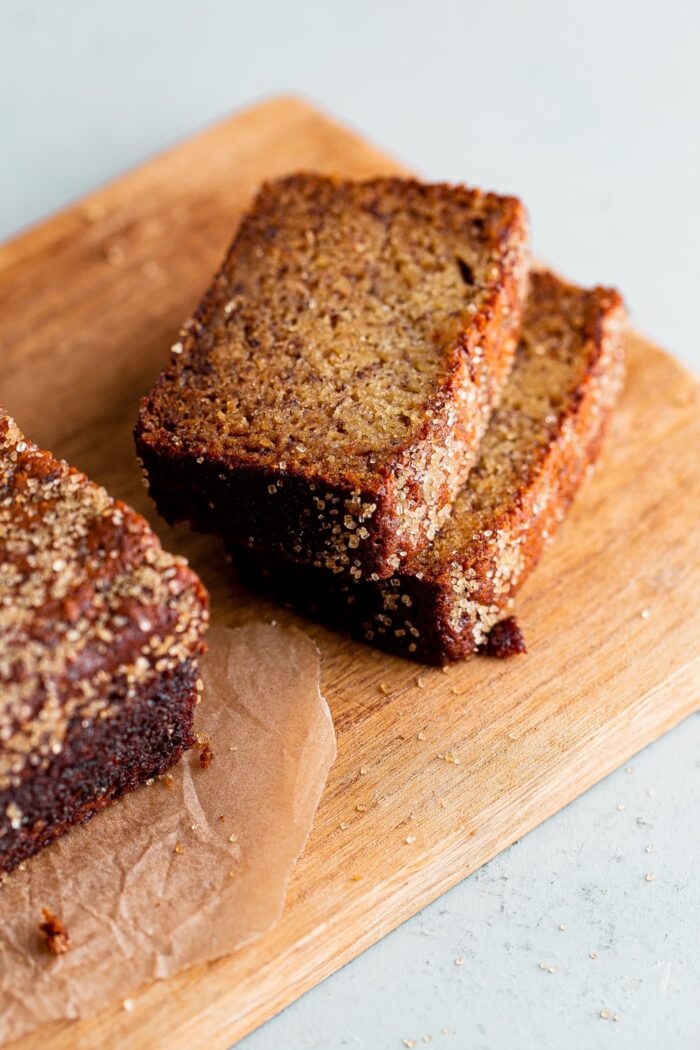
89 304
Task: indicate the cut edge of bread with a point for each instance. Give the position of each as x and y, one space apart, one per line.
365 525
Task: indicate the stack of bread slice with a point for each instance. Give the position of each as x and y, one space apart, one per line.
383 410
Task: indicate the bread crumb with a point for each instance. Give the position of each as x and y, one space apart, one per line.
55 934
505 639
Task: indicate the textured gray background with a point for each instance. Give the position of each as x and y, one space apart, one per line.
591 113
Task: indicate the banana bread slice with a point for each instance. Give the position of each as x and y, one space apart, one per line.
100 630
540 443
327 398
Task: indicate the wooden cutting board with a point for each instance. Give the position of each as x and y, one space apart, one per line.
90 302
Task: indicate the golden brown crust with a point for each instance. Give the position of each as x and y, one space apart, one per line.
428 312
539 446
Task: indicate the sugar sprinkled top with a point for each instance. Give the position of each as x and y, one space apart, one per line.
91 608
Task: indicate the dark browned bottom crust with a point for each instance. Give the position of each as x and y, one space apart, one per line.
100 762
234 503
358 610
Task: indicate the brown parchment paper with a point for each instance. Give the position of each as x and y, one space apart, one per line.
137 908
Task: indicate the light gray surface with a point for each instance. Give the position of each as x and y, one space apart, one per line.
585 868
589 112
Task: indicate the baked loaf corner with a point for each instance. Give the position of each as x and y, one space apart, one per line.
328 397
100 631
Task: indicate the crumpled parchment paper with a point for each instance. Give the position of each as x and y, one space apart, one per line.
191 867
